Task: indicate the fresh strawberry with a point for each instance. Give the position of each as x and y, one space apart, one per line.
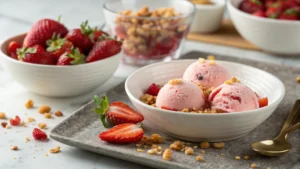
12 49
39 134
43 30
166 46
273 13
153 89
116 112
80 37
268 3
58 46
35 54
104 49
71 57
123 134
263 102
260 14
16 121
251 6
290 14
287 4
97 34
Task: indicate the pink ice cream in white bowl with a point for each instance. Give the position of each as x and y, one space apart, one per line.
178 108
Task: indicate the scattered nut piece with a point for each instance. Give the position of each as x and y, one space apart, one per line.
42 125
7 126
14 148
29 104
167 155
30 119
175 81
55 150
253 165
177 145
269 168
246 157
204 145
151 151
47 115
237 157
195 147
4 124
189 151
58 113
201 60
219 145
23 124
46 155
298 79
211 57
44 109
27 139
139 150
2 115
199 158
212 62
157 138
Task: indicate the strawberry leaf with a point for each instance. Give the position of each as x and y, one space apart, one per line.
102 106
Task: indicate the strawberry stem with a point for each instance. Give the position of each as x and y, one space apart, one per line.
102 106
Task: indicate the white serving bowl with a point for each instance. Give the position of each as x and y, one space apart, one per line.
208 18
274 36
58 81
204 127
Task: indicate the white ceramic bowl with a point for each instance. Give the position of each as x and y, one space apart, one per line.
204 127
275 36
58 81
208 18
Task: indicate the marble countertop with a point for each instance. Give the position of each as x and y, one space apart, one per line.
16 16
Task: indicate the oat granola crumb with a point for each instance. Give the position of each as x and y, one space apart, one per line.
151 151
42 125
44 109
167 155
2 115
237 157
58 113
47 115
201 60
27 139
212 62
7 126
29 104
4 124
195 147
148 99
269 168
157 138
199 158
30 119
23 124
202 151
219 145
139 150
146 141
211 57
185 110
253 165
46 155
189 151
204 145
55 150
175 81
14 148
298 79
176 145
246 157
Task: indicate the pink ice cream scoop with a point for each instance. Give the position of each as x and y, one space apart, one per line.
233 97
209 73
180 94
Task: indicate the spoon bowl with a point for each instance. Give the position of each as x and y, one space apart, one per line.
271 147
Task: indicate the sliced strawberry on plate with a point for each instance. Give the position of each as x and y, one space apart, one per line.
123 134
12 49
39 134
71 57
42 30
263 102
35 54
104 49
116 112
251 6
57 46
290 14
153 89
16 121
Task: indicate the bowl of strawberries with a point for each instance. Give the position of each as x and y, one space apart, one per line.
272 25
51 60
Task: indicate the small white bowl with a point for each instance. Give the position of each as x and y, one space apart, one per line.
274 36
208 18
58 81
205 127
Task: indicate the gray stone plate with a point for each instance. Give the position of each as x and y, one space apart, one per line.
82 128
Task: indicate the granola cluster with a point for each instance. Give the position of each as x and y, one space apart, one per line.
150 34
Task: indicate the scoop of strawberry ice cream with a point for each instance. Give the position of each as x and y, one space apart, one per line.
206 73
180 94
233 97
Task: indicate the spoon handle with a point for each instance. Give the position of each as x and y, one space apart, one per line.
293 118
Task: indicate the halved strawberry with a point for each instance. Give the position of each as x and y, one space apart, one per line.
123 133
16 121
39 134
116 112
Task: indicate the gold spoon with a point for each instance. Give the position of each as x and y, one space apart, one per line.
280 145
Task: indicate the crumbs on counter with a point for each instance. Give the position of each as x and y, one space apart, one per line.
58 113
55 150
29 104
2 115
44 109
14 148
42 125
47 115
167 155
298 79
